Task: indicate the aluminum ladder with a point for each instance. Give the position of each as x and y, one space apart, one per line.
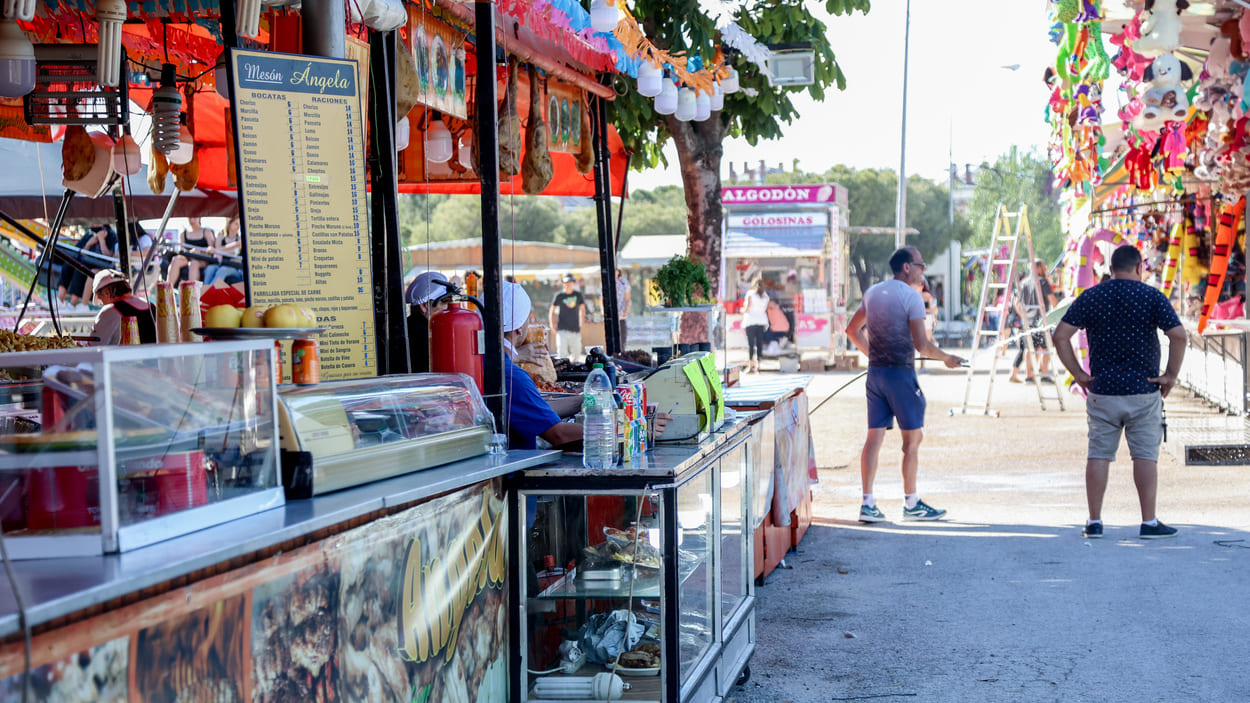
1010 230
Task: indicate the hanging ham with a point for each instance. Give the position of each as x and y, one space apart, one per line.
536 170
510 128
586 149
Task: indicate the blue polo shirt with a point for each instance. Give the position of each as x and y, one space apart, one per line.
528 414
1120 318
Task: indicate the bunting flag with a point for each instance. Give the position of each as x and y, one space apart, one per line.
1230 217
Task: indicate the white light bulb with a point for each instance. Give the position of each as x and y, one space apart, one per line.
717 98
685 105
247 18
403 133
466 153
438 143
221 77
166 104
650 80
730 82
702 107
185 150
603 17
110 14
127 159
17 61
666 101
20 9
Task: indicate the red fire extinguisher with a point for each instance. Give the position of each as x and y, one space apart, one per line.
456 341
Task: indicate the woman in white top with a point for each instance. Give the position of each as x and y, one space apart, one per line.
755 319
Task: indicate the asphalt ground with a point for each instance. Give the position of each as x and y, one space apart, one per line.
1004 600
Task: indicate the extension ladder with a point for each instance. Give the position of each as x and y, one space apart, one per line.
1000 284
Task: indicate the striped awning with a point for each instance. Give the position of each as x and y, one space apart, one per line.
765 242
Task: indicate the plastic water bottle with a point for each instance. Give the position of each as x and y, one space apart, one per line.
599 418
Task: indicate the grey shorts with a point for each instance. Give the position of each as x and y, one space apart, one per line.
1140 416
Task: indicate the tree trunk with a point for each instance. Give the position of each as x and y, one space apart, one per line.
699 154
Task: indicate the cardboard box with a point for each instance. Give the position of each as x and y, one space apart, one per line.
813 364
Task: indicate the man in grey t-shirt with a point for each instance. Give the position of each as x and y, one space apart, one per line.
893 314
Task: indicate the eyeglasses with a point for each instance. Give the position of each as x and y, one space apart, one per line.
917 263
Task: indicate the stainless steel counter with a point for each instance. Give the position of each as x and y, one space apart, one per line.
52 588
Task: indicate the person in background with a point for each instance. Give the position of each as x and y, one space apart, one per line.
427 294
566 317
893 313
789 300
196 236
755 322
623 300
228 243
72 282
1122 318
112 290
529 416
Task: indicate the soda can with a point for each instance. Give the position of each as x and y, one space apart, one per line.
277 362
189 309
305 362
130 330
167 330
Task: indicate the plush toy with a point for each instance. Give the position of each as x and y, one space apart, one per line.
1165 99
1160 27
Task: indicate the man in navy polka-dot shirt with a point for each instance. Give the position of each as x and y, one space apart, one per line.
1121 318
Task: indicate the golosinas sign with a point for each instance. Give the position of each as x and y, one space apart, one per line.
780 219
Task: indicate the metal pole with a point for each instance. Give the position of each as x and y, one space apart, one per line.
123 231
492 249
323 22
603 211
389 326
900 218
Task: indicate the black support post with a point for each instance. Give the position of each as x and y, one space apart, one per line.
123 231
603 210
390 330
488 169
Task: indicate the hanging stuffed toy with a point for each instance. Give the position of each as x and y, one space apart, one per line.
1165 99
1160 27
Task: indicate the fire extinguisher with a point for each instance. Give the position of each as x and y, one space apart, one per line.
457 341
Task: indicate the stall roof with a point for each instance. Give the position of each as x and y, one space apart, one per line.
767 242
651 249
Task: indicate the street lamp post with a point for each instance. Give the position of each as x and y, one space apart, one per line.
900 218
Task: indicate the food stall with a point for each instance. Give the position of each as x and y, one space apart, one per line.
216 517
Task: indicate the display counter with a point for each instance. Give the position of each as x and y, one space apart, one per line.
336 597
783 493
659 542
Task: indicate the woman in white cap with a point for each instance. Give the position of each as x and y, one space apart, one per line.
427 294
112 290
528 415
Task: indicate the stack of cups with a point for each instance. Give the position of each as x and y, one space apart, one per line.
189 309
167 329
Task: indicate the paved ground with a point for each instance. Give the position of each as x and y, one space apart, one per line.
1005 601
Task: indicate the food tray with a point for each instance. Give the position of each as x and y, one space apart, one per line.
626 671
275 333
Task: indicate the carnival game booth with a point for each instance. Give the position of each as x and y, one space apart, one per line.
1166 172
794 238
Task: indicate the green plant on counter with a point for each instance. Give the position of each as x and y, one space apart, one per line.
682 282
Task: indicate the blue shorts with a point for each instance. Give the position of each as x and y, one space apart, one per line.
894 393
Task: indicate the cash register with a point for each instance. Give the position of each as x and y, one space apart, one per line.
688 388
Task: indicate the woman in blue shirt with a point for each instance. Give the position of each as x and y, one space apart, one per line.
529 416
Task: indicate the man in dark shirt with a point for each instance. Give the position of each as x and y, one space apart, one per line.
1121 317
567 315
427 294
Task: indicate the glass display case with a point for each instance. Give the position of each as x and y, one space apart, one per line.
641 571
345 433
107 449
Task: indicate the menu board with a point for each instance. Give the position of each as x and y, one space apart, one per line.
300 150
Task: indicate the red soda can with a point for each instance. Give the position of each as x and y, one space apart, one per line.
305 362
130 330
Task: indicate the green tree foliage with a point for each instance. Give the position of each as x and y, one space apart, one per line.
758 111
1015 178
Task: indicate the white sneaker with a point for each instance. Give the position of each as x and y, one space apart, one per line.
772 349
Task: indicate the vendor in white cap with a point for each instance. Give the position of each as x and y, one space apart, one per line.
528 415
112 290
427 294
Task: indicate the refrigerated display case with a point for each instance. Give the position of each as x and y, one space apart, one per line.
346 433
108 449
643 571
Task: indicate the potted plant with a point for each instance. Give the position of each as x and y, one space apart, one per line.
683 283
